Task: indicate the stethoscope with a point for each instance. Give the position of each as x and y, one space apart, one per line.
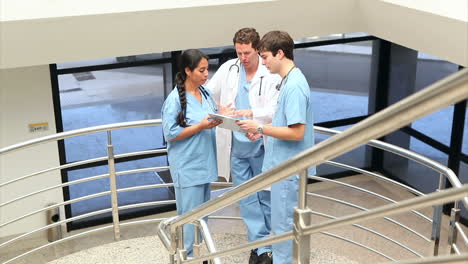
211 102
235 64
206 95
278 86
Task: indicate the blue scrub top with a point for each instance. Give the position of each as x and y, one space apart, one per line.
242 147
192 160
294 107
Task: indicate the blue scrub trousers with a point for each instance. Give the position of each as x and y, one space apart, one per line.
188 198
256 208
283 200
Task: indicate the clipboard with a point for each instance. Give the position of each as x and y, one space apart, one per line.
228 122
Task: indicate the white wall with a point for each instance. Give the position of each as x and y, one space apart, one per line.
86 35
444 35
52 35
26 98
61 31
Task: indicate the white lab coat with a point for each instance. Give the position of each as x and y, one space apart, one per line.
224 86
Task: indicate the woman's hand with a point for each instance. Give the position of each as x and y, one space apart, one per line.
209 123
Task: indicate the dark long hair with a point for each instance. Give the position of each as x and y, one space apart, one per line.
188 59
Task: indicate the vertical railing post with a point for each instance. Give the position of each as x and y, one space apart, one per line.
197 243
302 195
302 217
175 244
180 250
437 220
205 231
452 236
113 186
171 259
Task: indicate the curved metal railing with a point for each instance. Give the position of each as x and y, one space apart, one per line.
316 155
443 93
404 153
112 174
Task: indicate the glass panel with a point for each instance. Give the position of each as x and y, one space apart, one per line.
88 188
326 107
112 60
428 151
140 179
213 67
465 135
431 69
339 77
437 125
123 181
359 157
410 172
463 175
217 50
110 96
331 37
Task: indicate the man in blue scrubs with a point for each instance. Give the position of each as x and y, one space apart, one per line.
290 133
248 85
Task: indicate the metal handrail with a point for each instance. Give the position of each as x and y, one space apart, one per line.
83 162
79 132
358 244
365 209
451 176
373 232
447 92
413 203
85 233
367 192
457 259
460 231
375 175
440 94
94 195
86 215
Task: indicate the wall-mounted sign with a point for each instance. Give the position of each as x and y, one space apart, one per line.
38 127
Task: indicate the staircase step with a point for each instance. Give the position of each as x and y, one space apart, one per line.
142 251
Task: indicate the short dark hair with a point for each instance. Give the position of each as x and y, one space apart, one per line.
246 36
277 40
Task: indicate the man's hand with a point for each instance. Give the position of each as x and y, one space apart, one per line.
227 110
244 113
248 125
253 136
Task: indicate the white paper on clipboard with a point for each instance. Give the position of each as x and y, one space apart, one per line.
228 122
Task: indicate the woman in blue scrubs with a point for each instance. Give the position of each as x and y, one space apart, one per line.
190 137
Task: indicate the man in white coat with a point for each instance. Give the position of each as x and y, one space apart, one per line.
246 84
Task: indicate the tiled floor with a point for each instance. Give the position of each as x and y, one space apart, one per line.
139 243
